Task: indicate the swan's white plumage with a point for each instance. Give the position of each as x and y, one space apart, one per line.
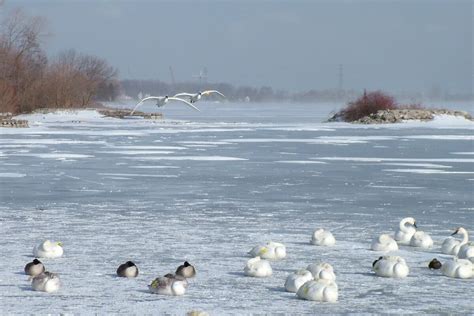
194 97
452 246
384 242
323 237
48 249
271 250
257 267
467 251
46 282
295 280
161 101
404 233
169 285
421 239
319 290
391 267
458 268
322 270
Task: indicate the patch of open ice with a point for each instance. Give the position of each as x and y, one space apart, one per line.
463 153
55 155
428 171
50 141
21 146
395 187
422 165
137 152
334 141
155 167
301 161
204 143
148 147
441 137
304 128
197 158
133 175
63 116
373 159
12 175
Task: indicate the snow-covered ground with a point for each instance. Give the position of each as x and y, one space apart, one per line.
206 187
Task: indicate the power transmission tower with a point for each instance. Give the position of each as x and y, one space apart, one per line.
173 81
341 77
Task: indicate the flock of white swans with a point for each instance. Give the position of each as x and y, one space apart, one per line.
317 282
187 98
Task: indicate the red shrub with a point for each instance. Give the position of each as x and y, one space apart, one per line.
367 104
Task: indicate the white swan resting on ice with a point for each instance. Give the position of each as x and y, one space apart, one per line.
322 270
271 250
295 280
319 290
46 282
169 284
421 239
48 249
467 251
458 268
323 237
391 267
257 267
407 229
451 245
384 242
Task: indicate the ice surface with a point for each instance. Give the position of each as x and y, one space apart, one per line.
210 207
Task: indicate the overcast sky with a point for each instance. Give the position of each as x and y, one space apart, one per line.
408 45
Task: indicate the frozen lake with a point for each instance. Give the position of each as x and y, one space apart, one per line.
207 187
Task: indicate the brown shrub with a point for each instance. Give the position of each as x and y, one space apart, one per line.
368 103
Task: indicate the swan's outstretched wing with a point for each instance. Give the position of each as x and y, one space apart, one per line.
143 100
184 94
207 92
187 103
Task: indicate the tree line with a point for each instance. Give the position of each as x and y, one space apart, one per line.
30 80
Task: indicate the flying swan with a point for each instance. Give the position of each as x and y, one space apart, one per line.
194 97
161 101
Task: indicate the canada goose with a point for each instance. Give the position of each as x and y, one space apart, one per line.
127 270
434 264
186 270
34 268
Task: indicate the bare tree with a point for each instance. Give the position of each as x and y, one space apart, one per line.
22 61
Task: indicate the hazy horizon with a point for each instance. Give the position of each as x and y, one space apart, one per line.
292 45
